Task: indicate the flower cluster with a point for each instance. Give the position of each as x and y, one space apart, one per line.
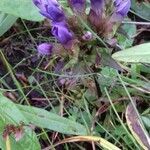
76 44
53 11
97 17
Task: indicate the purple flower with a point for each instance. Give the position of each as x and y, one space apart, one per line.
62 34
117 2
54 13
78 6
122 7
50 9
97 6
45 49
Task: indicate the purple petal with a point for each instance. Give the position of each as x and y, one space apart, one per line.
50 9
55 13
40 4
45 49
117 2
54 2
45 2
78 5
62 34
122 7
37 2
97 6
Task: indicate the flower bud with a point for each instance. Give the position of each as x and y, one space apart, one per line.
50 9
122 7
45 49
62 34
96 12
78 6
97 6
87 36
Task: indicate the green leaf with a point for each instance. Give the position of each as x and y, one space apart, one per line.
140 53
6 21
10 114
124 37
24 9
40 118
142 9
146 120
45 119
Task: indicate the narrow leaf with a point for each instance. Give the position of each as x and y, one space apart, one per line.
146 120
8 147
45 119
101 141
136 128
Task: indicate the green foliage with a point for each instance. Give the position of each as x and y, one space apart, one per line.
141 9
24 9
125 37
45 119
107 78
15 114
95 105
136 54
146 118
10 114
6 21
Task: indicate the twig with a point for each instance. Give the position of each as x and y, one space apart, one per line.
137 23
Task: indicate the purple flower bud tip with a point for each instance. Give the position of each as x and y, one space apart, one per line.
54 13
117 2
122 7
45 49
50 9
87 36
97 6
36 2
78 5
